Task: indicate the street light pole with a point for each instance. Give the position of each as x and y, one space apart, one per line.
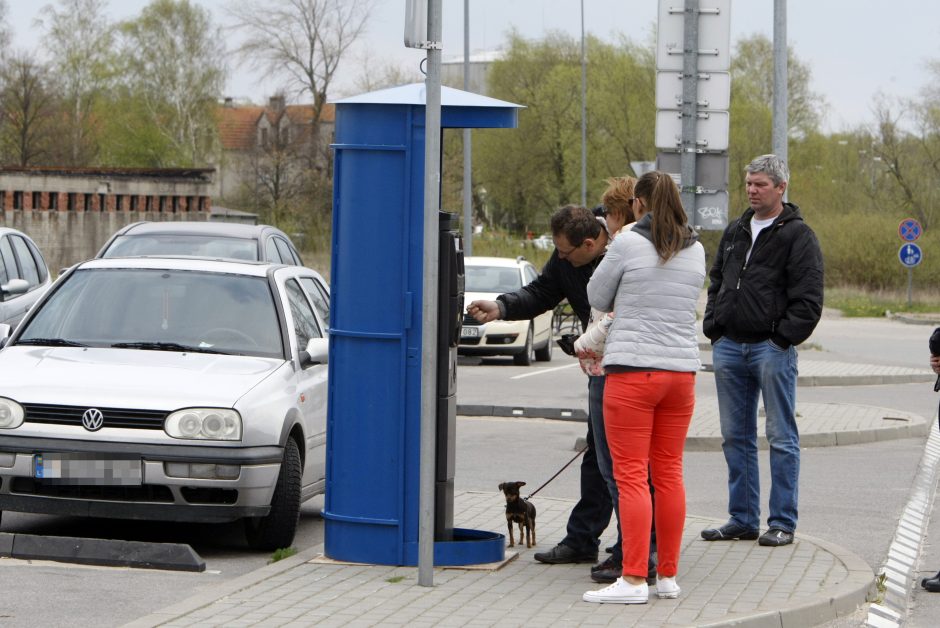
432 188
780 121
583 114
467 153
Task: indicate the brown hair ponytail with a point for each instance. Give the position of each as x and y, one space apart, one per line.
669 226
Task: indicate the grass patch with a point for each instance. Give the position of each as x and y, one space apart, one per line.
856 302
281 554
395 579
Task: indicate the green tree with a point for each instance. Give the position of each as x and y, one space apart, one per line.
80 45
530 171
27 105
752 83
303 41
4 30
172 61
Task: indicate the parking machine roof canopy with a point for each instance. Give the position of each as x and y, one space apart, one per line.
459 109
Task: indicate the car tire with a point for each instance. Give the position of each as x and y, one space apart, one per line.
545 353
527 355
276 529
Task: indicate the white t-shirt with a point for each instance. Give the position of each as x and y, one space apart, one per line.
756 227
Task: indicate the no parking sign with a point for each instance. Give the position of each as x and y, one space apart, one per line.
909 230
910 254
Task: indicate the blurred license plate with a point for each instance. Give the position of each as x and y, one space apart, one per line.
87 469
470 332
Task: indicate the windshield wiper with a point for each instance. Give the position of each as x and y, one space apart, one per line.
51 342
165 346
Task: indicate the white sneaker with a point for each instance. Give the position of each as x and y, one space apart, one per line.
620 592
666 588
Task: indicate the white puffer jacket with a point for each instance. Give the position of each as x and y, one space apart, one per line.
653 303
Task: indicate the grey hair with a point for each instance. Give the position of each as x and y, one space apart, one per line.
771 165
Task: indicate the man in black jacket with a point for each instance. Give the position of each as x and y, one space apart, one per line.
765 297
580 241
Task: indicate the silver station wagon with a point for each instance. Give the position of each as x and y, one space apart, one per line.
169 389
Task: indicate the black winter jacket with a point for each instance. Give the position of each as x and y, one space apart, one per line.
558 280
777 293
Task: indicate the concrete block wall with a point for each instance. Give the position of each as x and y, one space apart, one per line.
69 237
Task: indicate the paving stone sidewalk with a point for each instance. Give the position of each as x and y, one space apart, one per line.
821 425
735 583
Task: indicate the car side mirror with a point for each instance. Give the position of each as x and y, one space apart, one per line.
12 288
316 352
5 332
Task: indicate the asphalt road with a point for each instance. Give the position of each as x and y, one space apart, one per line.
850 495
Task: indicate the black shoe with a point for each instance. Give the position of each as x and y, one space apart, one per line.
923 581
562 554
607 572
932 584
729 532
775 537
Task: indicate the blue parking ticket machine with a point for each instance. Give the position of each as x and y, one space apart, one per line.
373 427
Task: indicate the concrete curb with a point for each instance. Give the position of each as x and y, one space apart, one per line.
838 600
843 600
852 380
561 414
824 439
225 589
106 552
911 319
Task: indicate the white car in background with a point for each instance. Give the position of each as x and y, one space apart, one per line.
526 341
24 276
175 389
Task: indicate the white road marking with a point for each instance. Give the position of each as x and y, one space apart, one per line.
543 371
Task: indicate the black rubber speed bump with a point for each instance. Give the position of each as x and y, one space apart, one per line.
108 552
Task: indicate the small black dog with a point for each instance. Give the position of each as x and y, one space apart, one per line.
518 511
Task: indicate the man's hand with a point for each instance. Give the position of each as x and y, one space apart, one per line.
483 311
935 363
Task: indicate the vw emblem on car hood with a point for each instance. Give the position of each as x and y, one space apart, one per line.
92 419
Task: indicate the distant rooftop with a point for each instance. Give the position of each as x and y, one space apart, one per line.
159 173
486 56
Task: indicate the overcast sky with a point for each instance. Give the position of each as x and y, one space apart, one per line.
855 48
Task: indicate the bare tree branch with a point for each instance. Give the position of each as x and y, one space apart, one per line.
302 40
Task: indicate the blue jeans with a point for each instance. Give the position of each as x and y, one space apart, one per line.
605 463
591 515
744 371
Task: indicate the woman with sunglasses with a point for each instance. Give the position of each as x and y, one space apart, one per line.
651 278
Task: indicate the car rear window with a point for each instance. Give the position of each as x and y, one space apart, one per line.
215 247
492 279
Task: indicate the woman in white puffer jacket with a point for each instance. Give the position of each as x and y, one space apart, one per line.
651 278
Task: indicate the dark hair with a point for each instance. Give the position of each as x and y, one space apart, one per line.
670 224
617 197
576 223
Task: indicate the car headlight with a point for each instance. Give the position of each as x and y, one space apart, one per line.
11 414
204 424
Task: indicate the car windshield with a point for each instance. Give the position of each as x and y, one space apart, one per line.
492 279
162 310
213 246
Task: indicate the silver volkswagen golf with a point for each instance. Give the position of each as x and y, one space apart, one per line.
169 389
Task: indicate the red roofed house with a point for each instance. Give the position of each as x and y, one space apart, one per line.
255 137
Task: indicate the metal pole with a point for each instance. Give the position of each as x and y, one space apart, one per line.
780 117
432 187
467 153
689 108
583 114
910 286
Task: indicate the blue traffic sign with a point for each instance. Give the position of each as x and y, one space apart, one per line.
909 230
910 255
